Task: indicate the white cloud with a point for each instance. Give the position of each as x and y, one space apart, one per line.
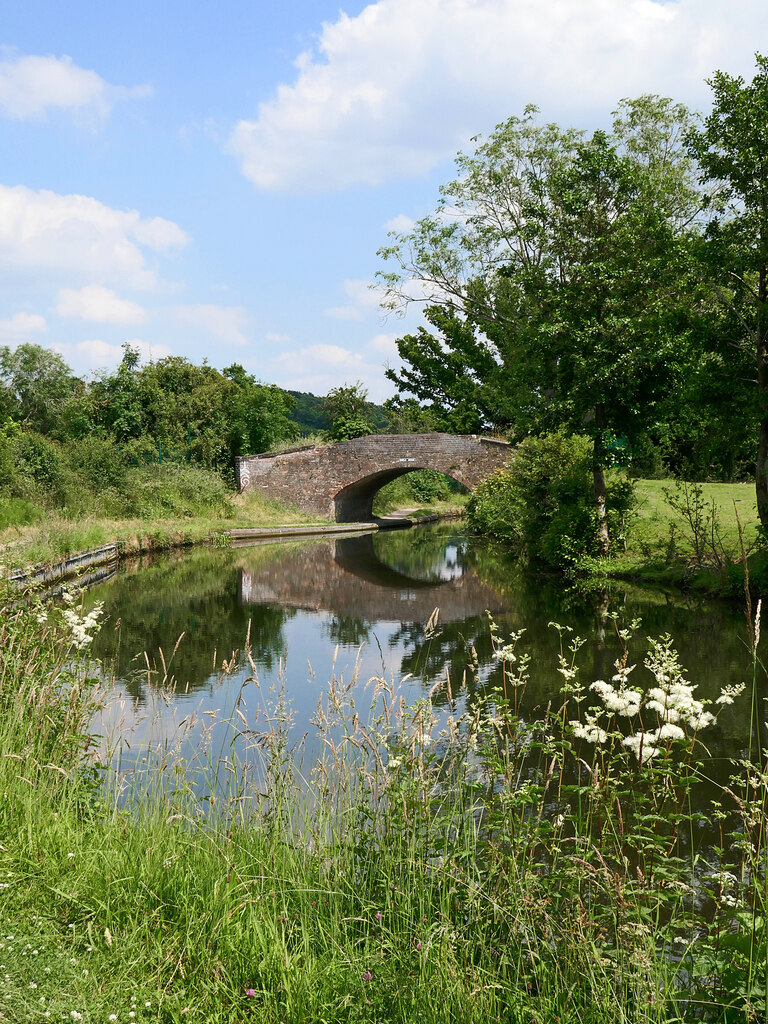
95 354
363 300
403 85
99 305
44 234
21 325
32 85
318 368
278 339
227 323
385 346
401 224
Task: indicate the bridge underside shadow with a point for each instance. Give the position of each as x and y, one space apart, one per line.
354 504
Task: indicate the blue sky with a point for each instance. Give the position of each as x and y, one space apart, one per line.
213 181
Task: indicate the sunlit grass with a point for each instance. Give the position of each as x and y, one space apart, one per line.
490 866
655 515
57 537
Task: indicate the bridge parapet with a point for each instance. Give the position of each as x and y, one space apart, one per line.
339 481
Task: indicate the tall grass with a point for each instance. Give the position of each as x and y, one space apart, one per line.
483 866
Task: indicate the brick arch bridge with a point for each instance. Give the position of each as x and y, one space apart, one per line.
339 481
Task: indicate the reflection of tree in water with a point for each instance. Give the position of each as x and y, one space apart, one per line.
448 647
197 595
348 631
434 554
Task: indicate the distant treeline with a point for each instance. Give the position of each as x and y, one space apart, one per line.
311 414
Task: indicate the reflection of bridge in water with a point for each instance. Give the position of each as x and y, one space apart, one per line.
347 578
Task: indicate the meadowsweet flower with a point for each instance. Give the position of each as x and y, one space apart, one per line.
642 745
669 731
590 730
81 627
729 693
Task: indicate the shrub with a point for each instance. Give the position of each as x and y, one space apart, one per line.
98 462
543 502
175 490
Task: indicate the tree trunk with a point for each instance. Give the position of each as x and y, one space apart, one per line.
761 469
598 474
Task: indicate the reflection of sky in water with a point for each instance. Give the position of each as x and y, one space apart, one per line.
207 717
367 603
451 568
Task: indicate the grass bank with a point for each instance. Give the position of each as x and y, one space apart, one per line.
687 535
173 505
497 865
174 519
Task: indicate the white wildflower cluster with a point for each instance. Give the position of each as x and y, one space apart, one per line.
679 714
729 693
589 730
617 696
506 652
82 627
727 885
672 699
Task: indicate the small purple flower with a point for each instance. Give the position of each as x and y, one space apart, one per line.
250 992
367 976
378 915
418 945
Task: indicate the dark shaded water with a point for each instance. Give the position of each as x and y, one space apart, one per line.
317 609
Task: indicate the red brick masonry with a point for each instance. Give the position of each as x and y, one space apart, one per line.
339 481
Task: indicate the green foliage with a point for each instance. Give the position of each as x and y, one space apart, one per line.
16 511
730 149
421 487
35 384
542 504
174 490
349 412
96 448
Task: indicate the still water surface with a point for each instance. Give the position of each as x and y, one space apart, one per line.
176 626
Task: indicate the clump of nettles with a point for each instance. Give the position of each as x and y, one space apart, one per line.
660 716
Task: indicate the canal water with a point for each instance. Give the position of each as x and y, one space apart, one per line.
206 644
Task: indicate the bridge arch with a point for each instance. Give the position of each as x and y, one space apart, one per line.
339 481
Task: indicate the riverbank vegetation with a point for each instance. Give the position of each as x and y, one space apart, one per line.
177 512
570 863
663 531
610 286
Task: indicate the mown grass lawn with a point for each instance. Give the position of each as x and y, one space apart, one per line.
656 517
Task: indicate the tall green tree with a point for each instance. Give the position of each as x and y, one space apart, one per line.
35 384
732 150
349 412
566 257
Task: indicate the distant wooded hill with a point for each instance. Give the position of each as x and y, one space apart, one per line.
311 418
